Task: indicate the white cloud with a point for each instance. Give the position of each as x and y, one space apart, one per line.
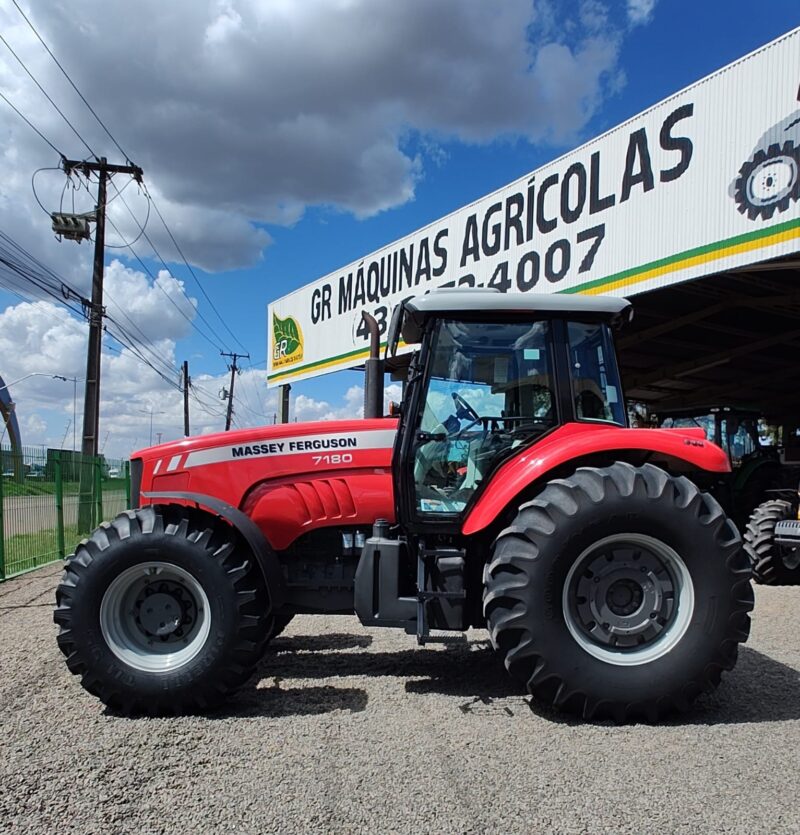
243 112
42 339
640 11
151 311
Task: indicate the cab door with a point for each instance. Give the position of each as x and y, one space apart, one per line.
478 391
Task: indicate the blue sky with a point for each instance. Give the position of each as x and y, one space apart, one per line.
218 196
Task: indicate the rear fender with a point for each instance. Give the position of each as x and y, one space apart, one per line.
575 445
265 557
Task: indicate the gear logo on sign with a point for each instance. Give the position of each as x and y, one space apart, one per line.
770 179
287 342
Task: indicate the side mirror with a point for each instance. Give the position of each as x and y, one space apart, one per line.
393 334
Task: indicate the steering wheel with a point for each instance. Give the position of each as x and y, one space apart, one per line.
464 407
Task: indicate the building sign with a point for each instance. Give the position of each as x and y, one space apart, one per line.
705 181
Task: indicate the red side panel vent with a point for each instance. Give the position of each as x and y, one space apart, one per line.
284 510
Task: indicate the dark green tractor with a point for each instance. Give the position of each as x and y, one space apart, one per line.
772 539
757 468
772 535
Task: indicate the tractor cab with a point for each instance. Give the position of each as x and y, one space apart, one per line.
493 374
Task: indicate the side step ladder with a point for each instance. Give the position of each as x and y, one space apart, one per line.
440 579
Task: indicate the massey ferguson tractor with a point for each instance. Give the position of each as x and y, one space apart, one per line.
510 495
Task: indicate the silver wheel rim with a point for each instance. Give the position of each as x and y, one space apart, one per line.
771 180
155 617
628 599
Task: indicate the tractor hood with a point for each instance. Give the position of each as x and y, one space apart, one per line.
228 464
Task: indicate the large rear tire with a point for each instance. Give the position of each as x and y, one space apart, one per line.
773 565
283 617
162 611
620 592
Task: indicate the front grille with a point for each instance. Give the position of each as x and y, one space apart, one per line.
136 481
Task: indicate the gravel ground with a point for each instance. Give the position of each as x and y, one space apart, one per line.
349 730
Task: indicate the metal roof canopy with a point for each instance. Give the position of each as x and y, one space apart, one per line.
728 338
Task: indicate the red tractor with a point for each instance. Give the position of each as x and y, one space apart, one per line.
510 496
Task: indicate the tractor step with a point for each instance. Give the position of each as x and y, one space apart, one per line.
441 595
438 636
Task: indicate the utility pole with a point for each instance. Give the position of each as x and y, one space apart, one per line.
233 369
186 383
91 402
283 402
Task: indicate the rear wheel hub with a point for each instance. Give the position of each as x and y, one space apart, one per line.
628 599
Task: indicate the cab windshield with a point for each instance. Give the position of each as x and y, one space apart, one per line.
491 389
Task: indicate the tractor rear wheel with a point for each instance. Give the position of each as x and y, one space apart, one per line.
773 565
619 592
283 617
162 611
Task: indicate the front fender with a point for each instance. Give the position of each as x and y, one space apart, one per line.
265 557
573 443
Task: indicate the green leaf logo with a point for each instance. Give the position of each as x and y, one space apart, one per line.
287 338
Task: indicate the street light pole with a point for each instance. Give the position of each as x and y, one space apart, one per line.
151 413
33 374
74 381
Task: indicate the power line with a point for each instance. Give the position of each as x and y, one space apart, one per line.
138 354
31 125
156 284
119 193
47 95
133 344
140 345
233 368
16 259
72 83
188 266
15 271
204 405
220 342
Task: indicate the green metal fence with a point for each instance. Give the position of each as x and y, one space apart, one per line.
50 499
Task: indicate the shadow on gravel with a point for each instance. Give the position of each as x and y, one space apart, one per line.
275 702
320 643
759 689
470 670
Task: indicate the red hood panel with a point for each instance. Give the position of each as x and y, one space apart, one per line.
261 433
289 478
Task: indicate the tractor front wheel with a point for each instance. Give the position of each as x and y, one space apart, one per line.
162 611
619 592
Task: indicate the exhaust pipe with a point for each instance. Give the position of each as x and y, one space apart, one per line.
373 371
